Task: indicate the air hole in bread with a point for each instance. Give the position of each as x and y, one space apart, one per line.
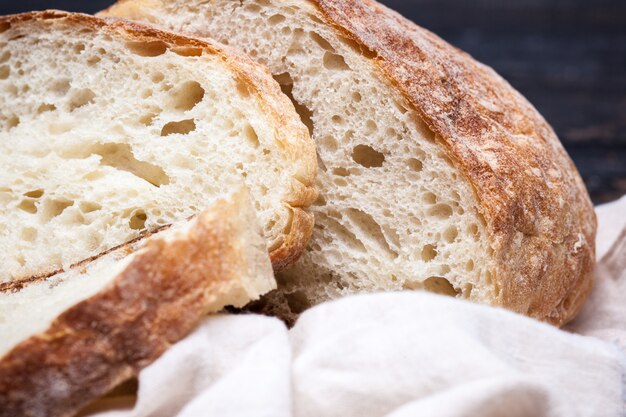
157 77
4 26
243 88
186 96
450 234
360 50
472 229
367 156
429 252
339 229
276 19
441 211
53 208
29 234
251 135
13 121
149 49
28 206
120 156
286 85
253 8
147 119
340 182
60 87
370 228
440 285
337 119
356 96
370 127
183 127
34 194
138 220
78 48
187 51
5 71
89 207
46 107
93 60
59 127
335 62
415 164
323 43
342 172
469 266
81 98
6 55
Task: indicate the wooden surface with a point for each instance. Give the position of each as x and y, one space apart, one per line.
568 57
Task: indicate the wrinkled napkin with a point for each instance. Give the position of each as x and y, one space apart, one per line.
401 354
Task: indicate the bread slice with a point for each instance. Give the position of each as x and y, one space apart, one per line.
74 336
436 173
110 130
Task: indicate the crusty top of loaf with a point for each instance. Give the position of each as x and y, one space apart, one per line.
293 136
535 205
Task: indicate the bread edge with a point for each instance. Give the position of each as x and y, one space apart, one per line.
155 301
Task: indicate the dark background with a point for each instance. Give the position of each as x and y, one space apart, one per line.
567 56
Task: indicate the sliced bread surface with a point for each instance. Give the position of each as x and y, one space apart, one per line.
110 130
435 172
74 336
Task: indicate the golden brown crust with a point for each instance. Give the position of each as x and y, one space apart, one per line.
292 134
538 213
154 302
536 209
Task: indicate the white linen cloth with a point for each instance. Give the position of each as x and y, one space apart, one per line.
402 354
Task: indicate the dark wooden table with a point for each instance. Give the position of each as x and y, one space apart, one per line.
567 56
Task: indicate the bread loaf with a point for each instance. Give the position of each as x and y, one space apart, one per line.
72 337
435 173
110 130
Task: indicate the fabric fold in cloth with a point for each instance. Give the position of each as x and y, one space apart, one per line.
403 354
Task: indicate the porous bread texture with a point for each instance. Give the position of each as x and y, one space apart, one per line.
393 211
111 130
31 309
74 336
437 173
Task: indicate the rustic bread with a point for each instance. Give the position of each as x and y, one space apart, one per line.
109 130
436 173
70 338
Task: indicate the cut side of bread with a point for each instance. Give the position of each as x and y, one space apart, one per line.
110 130
435 173
70 338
